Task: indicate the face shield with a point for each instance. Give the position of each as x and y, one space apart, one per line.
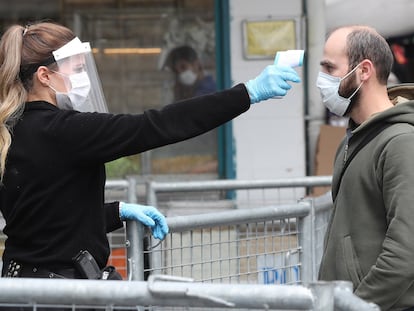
77 68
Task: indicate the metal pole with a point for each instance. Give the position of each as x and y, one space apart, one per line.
156 252
238 184
306 238
324 293
172 293
135 239
315 13
146 163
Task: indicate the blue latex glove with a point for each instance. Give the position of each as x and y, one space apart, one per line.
272 81
147 215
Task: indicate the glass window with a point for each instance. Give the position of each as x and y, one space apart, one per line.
133 53
132 40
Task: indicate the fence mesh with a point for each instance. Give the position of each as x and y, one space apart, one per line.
259 252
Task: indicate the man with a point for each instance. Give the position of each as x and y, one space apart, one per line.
369 240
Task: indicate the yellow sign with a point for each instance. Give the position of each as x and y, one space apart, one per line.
262 39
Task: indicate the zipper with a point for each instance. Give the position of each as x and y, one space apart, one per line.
348 137
345 154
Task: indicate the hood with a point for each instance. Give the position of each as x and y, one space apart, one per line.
402 96
400 93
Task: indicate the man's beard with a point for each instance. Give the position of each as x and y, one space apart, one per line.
347 88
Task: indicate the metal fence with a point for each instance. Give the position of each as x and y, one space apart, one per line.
251 245
256 241
170 294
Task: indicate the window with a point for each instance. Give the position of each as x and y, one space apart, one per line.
131 39
131 45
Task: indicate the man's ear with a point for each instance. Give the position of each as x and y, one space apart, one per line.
43 75
367 69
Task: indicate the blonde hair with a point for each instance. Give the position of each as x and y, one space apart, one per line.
22 51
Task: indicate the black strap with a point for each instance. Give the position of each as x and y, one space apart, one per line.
372 133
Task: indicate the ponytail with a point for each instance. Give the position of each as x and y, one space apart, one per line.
12 93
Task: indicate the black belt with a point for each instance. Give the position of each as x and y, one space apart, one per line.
26 270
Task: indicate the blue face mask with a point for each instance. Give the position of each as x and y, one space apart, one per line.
329 88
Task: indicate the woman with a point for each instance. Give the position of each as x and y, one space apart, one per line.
53 147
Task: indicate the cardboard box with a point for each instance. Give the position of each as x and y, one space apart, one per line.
328 142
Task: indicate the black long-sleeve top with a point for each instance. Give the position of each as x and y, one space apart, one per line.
52 196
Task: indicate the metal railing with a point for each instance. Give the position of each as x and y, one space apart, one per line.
162 293
245 193
260 242
273 244
231 255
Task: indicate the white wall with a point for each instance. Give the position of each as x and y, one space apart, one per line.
389 18
269 138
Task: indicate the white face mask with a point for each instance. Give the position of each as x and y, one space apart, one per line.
329 88
78 96
187 77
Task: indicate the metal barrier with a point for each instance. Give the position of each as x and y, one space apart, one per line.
162 293
128 190
279 244
231 254
263 243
